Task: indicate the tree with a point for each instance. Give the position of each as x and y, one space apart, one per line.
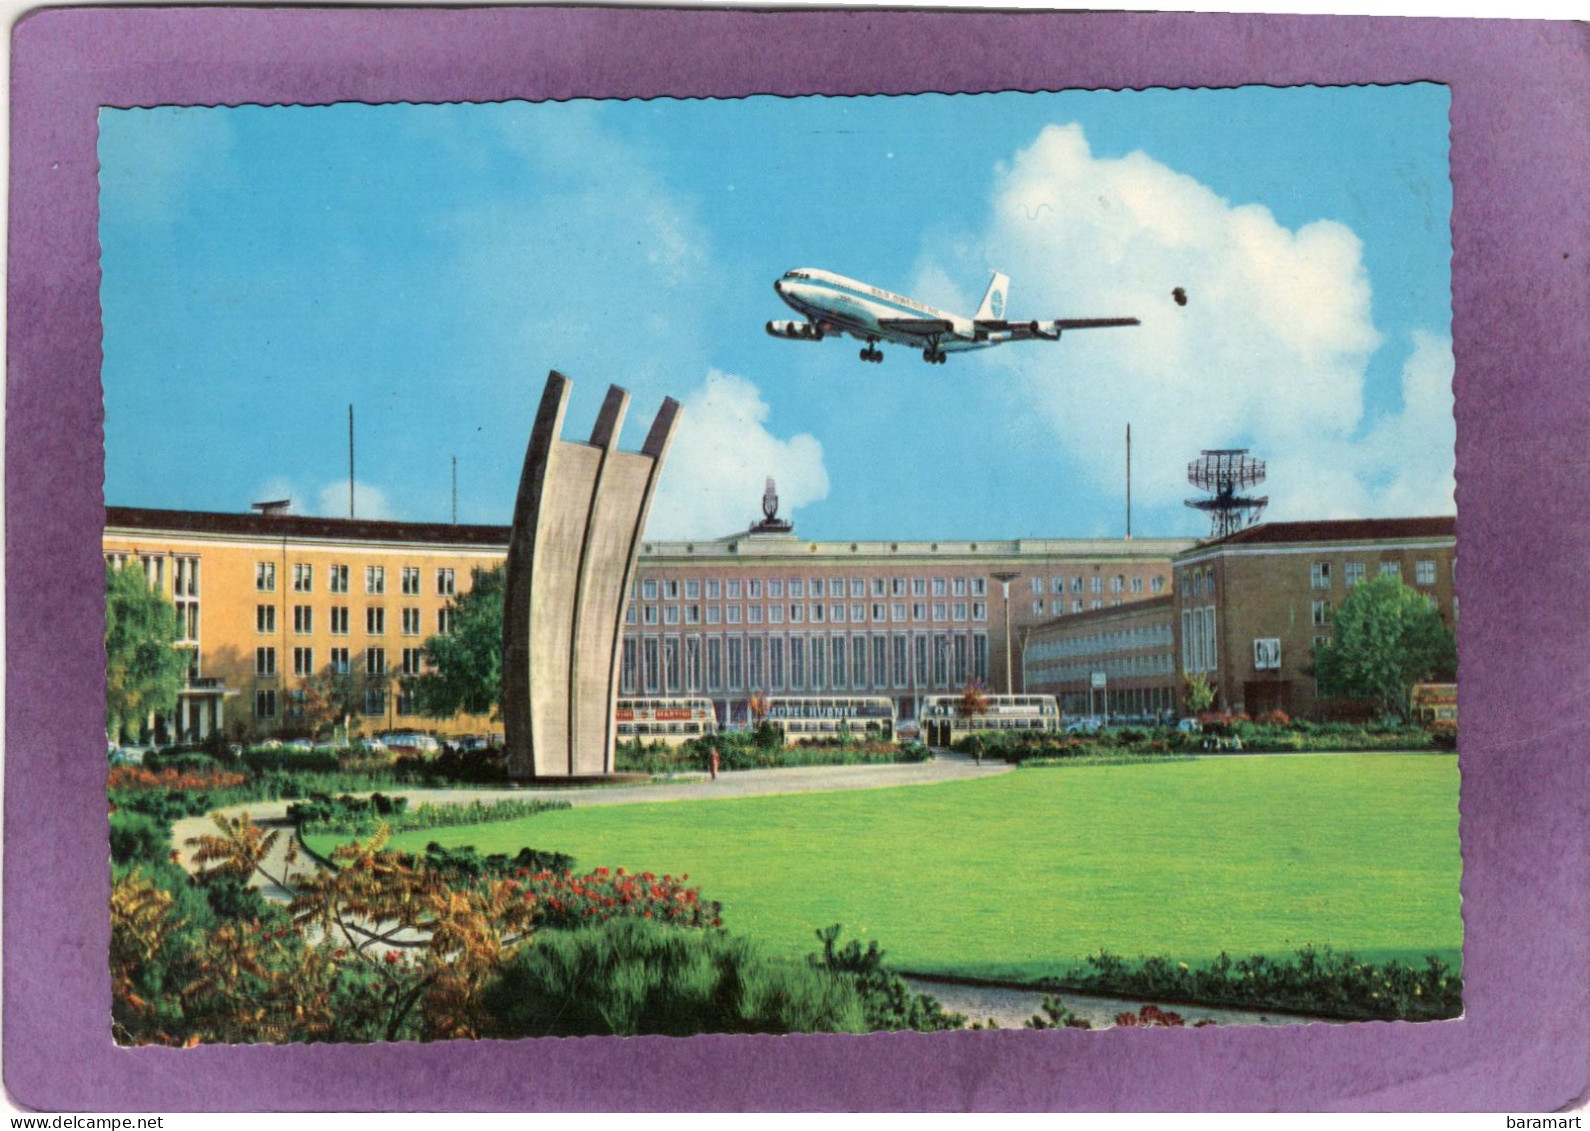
1386 637
1200 693
144 668
973 700
327 700
466 664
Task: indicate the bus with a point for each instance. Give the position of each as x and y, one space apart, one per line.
674 721
942 721
829 716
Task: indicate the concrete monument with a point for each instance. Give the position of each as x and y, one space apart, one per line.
577 527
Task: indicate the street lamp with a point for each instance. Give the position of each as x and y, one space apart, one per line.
1005 578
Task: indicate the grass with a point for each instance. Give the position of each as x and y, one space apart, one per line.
1019 876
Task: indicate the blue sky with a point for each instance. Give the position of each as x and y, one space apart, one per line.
265 267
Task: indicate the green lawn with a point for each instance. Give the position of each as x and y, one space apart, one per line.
1016 876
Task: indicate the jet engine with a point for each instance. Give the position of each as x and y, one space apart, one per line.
798 331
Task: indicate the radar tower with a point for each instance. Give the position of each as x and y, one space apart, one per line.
1223 472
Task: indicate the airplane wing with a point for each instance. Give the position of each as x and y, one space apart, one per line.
1048 331
923 326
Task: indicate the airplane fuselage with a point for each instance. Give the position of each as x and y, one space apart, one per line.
836 304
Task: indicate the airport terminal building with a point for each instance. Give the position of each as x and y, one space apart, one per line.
266 600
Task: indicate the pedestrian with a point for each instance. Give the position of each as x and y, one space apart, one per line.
712 762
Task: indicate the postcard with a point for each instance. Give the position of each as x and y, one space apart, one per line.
786 565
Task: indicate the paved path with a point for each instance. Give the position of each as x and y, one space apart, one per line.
945 766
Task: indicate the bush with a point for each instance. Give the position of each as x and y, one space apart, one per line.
137 838
741 751
630 977
888 1002
465 864
1317 981
565 901
359 817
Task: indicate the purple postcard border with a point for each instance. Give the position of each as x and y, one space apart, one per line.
1521 337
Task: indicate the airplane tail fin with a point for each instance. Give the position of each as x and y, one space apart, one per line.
994 301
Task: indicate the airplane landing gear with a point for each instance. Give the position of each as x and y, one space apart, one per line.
934 356
871 353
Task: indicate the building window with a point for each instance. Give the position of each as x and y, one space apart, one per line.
958 587
374 579
375 661
797 587
731 614
411 581
1096 584
940 587
775 661
446 582
445 619
736 663
775 614
375 621
340 664
919 610
979 610
797 663
188 619
880 611
629 667
897 612
959 611
1036 584
1319 575
1076 605
1320 613
753 589
1267 654
1037 608
714 589
897 587
374 701
339 578
264 661
753 614
775 588
880 587
1137 585
731 589
1056 607
264 618
303 578
1118 584
303 619
1391 569
413 661
303 661
1096 604
411 621
836 613
651 664
1424 573
858 661
880 661
186 581
817 614
693 590
670 590
339 620
265 576
941 610
1156 585
1076 585
648 590
919 587
1353 574
631 615
797 614
265 703
714 664
898 658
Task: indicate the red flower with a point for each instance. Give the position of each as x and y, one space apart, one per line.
391 958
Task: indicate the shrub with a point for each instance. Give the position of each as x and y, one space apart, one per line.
360 817
629 977
464 863
137 838
566 901
1316 981
888 1002
139 778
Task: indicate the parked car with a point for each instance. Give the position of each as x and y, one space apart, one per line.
1189 726
1084 725
410 743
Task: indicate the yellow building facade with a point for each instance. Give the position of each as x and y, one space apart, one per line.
268 601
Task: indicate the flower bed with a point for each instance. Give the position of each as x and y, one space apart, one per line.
567 901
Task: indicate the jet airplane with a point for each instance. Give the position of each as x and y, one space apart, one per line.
835 305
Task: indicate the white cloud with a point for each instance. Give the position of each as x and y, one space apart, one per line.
722 452
368 501
1270 351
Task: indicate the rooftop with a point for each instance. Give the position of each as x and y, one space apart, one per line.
1341 530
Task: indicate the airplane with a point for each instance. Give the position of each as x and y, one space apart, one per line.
835 305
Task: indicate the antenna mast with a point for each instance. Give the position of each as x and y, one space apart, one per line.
1223 472
455 490
1128 482
350 461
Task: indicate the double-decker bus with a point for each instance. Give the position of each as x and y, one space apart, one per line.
829 716
674 721
942 721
